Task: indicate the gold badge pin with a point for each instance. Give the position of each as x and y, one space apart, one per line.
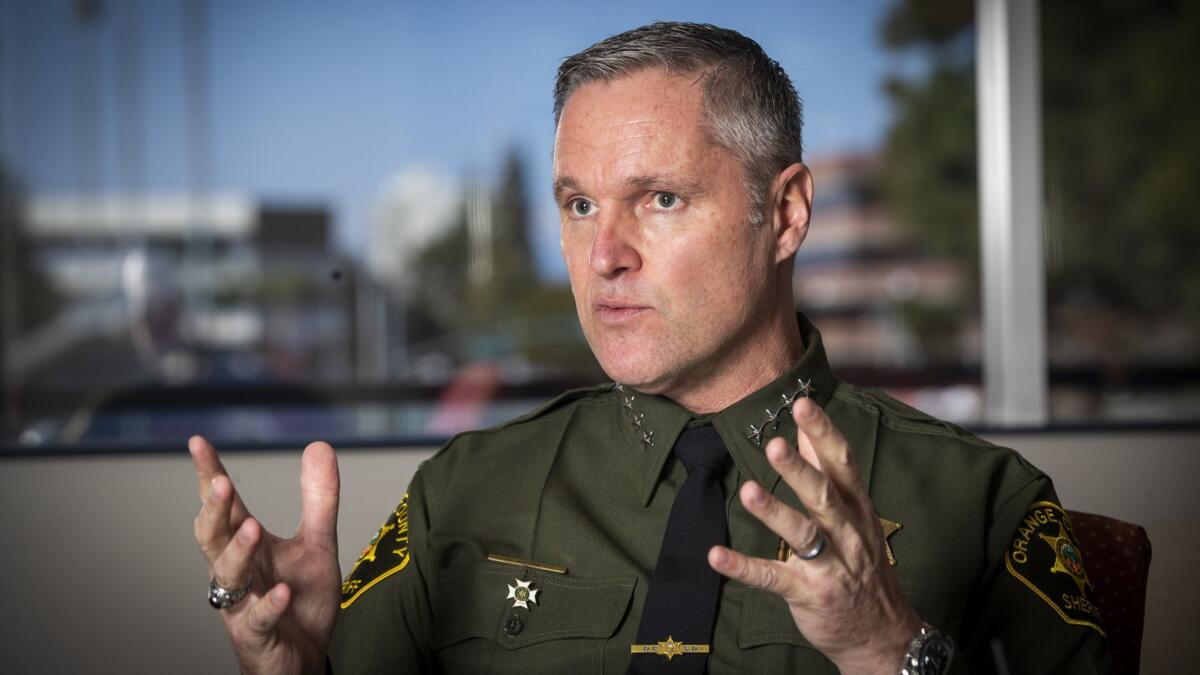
669 648
522 594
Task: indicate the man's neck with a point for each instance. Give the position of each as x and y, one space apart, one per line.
749 365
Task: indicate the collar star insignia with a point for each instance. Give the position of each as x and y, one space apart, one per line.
889 528
755 435
806 388
770 424
636 419
772 417
522 594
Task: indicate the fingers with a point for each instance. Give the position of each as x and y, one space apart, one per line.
816 491
796 529
207 462
319 486
231 568
208 466
213 528
768 575
263 615
821 444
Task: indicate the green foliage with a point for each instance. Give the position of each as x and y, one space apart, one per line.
1122 149
1122 153
28 297
508 309
926 23
929 175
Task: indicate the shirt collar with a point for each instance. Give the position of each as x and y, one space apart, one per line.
650 424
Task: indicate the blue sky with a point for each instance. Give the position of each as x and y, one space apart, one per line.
322 102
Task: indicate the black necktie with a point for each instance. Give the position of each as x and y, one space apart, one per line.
684 591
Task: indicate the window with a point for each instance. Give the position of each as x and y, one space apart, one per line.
268 223
1122 153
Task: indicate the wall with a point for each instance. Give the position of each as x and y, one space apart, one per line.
100 573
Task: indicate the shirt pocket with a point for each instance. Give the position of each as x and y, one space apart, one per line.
775 645
477 629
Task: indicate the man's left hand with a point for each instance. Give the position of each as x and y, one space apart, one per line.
846 600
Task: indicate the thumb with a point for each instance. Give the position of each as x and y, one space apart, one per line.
319 487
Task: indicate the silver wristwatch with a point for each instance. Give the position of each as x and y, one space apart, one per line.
929 653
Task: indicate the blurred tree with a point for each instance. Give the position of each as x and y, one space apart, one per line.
442 271
929 173
510 269
479 283
1121 147
29 298
1123 153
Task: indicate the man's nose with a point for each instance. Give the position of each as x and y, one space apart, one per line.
612 250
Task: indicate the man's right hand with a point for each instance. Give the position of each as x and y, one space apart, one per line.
286 622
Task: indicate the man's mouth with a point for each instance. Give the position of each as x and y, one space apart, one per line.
617 311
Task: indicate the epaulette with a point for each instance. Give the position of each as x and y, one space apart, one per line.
903 417
560 401
548 408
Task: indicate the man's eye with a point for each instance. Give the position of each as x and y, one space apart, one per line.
580 207
666 200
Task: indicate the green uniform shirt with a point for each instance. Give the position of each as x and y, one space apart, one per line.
586 484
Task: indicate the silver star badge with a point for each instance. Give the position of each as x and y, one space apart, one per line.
522 594
755 435
806 388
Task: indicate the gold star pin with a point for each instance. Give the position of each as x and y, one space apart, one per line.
522 594
669 648
889 528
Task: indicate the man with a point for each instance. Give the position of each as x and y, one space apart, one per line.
853 534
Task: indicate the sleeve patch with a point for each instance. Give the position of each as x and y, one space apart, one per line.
385 555
1045 558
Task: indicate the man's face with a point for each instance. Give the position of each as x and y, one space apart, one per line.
669 277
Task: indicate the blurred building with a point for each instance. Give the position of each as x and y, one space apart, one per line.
413 207
857 272
174 289
889 313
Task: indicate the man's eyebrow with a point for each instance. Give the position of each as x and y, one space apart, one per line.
673 184
564 183
658 183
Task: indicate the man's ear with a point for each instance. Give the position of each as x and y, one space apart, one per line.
791 210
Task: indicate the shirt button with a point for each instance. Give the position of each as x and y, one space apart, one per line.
513 626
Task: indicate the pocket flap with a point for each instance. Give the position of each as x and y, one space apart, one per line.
473 603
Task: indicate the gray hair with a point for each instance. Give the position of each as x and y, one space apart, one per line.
750 106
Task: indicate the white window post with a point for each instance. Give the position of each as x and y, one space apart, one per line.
1008 94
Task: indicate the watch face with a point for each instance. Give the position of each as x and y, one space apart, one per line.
935 655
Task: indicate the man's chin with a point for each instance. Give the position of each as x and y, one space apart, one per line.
634 372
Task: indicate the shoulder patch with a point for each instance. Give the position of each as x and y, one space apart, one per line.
1045 558
385 555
